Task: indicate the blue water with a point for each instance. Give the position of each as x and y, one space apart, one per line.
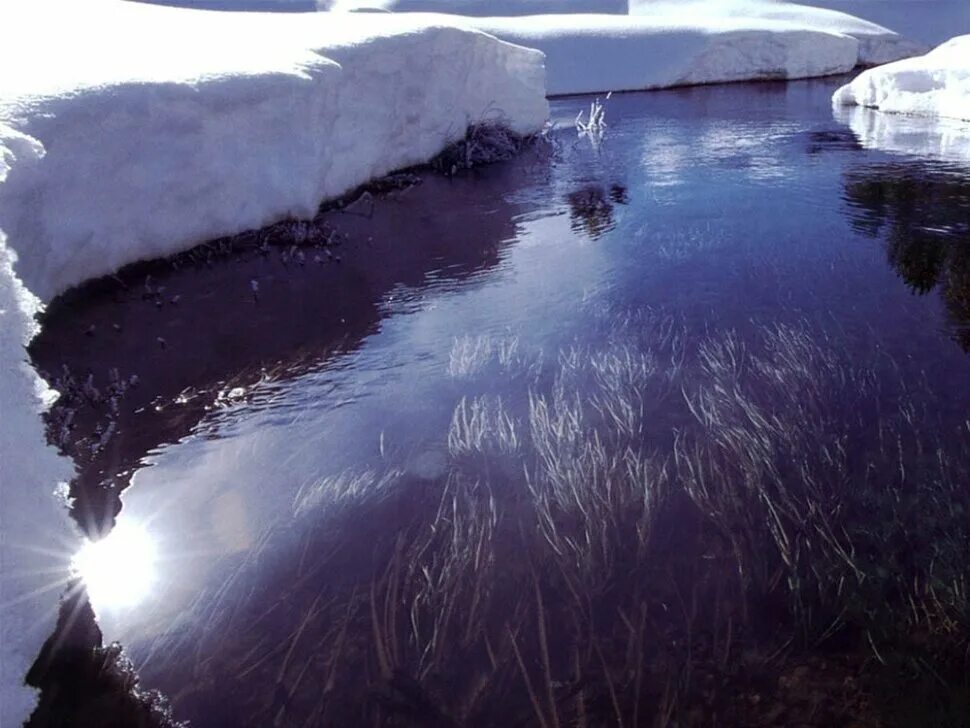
719 211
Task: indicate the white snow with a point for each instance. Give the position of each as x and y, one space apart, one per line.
454 7
490 8
934 85
136 151
877 44
153 129
595 53
613 45
664 43
36 536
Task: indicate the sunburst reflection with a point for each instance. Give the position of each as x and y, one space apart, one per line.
118 570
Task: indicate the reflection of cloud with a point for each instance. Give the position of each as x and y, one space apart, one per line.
944 139
751 147
665 159
755 149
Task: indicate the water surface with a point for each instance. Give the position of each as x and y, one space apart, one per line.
723 259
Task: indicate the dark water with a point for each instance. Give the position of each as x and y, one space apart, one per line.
726 288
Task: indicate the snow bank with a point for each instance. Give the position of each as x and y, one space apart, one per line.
594 53
493 8
595 46
673 42
664 43
455 7
155 129
36 536
134 151
876 43
934 85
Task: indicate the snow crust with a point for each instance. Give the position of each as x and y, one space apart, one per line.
877 44
36 535
664 43
613 45
936 85
479 8
492 8
595 53
256 117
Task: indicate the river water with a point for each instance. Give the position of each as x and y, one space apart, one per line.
340 467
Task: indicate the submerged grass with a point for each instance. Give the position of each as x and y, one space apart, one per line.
659 530
825 507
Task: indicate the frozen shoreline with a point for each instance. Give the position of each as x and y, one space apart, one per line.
936 85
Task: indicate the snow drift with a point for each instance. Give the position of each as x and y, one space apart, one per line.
596 53
934 85
876 43
156 129
612 45
455 7
493 8
672 42
664 43
255 118
37 538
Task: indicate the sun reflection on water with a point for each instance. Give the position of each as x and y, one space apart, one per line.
119 570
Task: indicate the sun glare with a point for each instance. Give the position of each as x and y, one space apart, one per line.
119 570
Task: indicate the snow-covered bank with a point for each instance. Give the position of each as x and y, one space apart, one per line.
158 128
664 43
136 152
934 85
595 53
877 44
916 106
456 7
614 45
36 536
482 8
